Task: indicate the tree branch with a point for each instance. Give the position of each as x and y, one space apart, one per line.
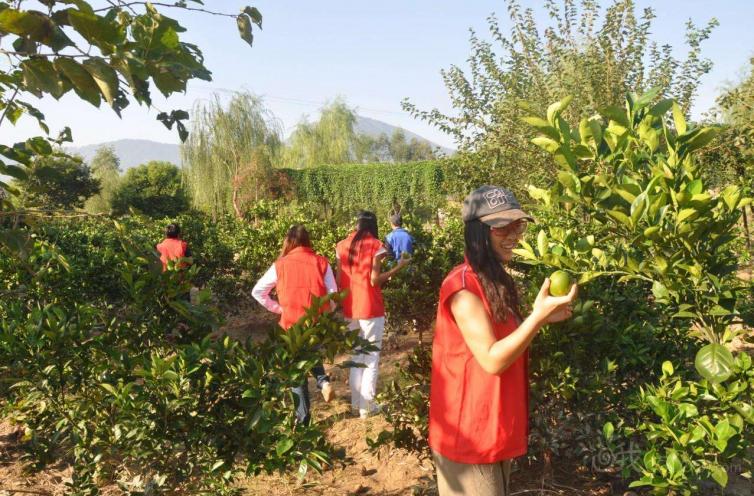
8 104
195 9
22 54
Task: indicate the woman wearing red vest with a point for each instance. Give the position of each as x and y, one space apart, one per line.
360 258
173 247
478 417
298 275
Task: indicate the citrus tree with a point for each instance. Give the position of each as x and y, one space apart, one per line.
129 388
630 205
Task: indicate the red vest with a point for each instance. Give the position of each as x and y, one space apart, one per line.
301 274
474 417
170 249
363 301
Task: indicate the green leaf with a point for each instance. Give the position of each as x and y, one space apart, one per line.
689 410
608 430
34 26
588 276
167 82
701 137
620 217
638 207
543 127
170 38
109 388
646 98
644 481
686 214
556 108
95 29
674 464
745 410
723 432
719 474
542 243
678 119
570 181
616 114
39 145
650 136
15 171
628 192
244 28
24 23
596 128
660 292
283 446
525 253
40 77
216 465
83 83
667 368
694 187
254 14
547 144
105 77
660 108
731 196
714 362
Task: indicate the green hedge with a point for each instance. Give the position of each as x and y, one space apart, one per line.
418 187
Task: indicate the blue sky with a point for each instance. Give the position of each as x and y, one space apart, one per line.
373 54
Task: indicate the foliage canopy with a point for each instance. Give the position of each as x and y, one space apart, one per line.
593 55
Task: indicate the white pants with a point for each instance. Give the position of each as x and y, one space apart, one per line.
363 380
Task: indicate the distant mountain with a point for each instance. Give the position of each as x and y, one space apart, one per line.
133 152
374 128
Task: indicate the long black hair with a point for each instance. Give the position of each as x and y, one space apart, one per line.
297 236
498 285
366 224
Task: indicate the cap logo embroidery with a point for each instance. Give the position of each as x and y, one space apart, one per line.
495 198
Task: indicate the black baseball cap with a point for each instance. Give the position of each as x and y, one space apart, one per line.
493 205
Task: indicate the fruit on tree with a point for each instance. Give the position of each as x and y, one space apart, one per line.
560 283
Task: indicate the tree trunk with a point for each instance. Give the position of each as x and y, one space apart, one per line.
236 207
746 227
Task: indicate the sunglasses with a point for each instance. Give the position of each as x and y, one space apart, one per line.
515 229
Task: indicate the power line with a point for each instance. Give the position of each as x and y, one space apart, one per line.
302 102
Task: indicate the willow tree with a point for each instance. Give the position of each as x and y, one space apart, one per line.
228 156
330 140
105 166
595 55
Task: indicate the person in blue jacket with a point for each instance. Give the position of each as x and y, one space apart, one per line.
398 241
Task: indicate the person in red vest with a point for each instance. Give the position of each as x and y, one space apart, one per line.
359 259
297 275
479 392
173 247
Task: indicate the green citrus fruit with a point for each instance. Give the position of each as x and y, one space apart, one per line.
560 283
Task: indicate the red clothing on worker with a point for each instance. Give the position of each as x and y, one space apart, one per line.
171 249
300 276
363 300
474 417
